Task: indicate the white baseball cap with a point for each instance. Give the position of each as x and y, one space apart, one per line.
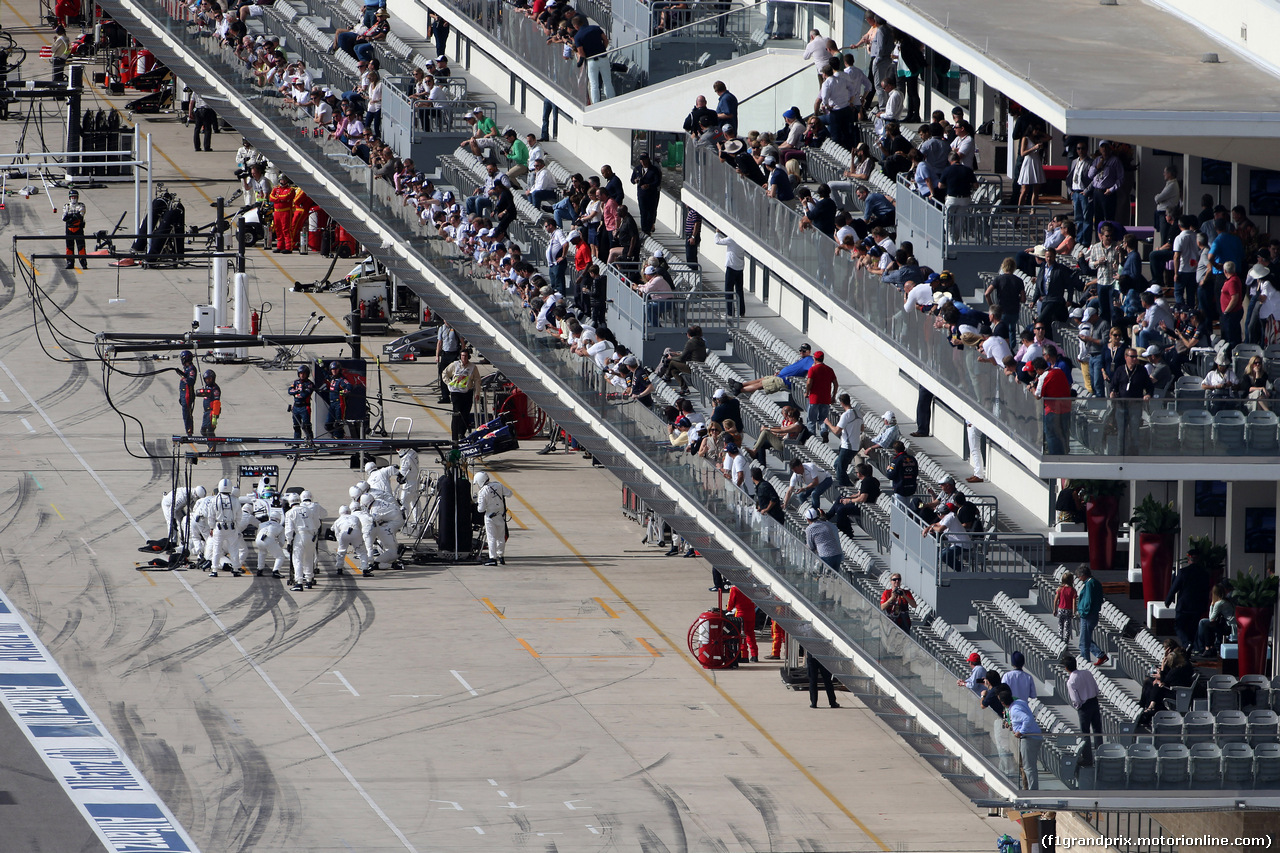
810 514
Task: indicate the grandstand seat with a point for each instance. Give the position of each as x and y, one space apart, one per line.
1143 758
1182 695
1223 695
1164 430
1230 727
1197 426
1173 765
1228 431
1263 726
1242 353
1206 765
1237 765
1166 726
1266 765
1261 428
1188 393
1255 691
1109 765
1197 727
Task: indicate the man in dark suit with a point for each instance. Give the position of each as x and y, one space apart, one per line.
1191 588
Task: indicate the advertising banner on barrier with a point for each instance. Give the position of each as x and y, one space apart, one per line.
124 810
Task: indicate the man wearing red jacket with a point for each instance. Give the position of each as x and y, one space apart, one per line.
282 217
746 610
1054 388
302 206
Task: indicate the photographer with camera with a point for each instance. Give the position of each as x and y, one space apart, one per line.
897 601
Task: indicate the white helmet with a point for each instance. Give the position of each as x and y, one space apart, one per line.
480 479
275 514
370 467
306 497
362 487
224 486
354 493
200 491
344 510
404 451
366 501
292 499
353 506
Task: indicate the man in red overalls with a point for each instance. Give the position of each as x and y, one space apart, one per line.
302 205
281 198
746 609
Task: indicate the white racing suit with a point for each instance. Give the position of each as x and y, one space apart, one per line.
387 520
492 501
348 530
270 543
301 528
223 548
410 472
174 506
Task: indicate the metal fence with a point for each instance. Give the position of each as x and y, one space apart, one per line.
639 315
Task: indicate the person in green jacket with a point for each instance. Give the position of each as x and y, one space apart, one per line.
1089 608
517 156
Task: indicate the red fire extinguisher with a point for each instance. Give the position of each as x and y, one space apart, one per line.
253 322
363 309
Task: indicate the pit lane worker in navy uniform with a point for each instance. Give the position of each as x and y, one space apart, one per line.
187 389
335 393
301 391
212 404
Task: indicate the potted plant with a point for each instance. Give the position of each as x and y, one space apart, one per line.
1156 523
1101 520
1212 557
1254 597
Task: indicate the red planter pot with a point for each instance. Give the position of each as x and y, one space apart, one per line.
1102 522
1253 629
1155 555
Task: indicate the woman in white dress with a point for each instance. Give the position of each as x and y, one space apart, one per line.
1031 175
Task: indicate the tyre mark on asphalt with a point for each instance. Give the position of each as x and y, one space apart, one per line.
762 802
255 810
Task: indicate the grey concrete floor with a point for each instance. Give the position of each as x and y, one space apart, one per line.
547 705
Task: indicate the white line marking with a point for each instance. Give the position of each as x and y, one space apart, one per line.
412 695
86 544
502 793
324 747
3 397
456 807
594 831
345 683
470 690
491 782
26 423
569 804
478 830
511 805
